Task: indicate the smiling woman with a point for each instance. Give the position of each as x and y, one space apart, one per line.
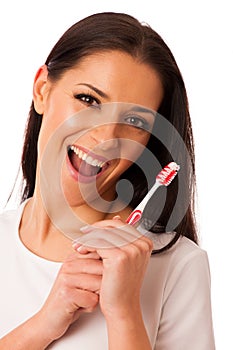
109 107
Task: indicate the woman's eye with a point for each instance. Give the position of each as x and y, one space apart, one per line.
88 99
138 122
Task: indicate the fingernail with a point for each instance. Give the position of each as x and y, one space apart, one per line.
79 249
82 250
76 244
116 217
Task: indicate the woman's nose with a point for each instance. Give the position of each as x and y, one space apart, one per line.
106 137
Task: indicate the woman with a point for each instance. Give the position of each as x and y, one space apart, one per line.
108 90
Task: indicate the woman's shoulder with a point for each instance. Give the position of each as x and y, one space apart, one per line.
183 248
9 222
186 248
183 254
184 267
9 216
191 256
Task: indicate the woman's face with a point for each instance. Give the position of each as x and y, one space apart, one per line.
104 91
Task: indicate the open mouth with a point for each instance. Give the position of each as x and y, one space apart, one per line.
85 164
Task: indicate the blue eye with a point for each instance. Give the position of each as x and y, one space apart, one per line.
137 122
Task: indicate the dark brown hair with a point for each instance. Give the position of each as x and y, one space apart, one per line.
116 31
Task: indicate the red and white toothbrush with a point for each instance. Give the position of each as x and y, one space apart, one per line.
164 178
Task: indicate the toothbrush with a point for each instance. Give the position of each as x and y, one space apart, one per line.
164 178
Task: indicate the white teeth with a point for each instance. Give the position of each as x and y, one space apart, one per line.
88 159
95 162
75 150
84 156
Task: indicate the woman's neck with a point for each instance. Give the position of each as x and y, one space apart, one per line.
40 236
43 238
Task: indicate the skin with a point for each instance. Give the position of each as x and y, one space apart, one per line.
90 274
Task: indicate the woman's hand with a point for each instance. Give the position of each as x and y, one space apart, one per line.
109 268
125 254
75 291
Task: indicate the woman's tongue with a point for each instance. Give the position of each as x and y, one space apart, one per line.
82 167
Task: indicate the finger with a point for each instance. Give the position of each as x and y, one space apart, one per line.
85 281
144 243
117 222
116 217
107 248
89 255
88 266
111 224
78 298
93 244
76 256
106 238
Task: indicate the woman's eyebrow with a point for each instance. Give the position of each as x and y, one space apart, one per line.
135 108
98 91
141 109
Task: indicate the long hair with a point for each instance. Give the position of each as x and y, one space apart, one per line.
116 31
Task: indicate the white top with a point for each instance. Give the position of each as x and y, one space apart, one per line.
175 295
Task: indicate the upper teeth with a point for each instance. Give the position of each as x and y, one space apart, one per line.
88 159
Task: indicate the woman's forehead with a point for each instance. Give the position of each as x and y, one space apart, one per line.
118 77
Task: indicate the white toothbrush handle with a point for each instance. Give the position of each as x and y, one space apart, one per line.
136 214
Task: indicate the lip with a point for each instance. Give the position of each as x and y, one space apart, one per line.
86 179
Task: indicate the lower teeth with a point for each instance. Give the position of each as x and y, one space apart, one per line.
82 167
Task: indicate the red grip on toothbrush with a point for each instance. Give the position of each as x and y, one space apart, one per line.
134 217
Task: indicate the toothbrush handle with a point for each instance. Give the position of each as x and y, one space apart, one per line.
134 217
136 214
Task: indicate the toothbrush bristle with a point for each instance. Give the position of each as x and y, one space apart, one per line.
168 173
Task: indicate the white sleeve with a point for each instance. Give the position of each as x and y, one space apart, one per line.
186 319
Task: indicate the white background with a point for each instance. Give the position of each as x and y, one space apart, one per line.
199 34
